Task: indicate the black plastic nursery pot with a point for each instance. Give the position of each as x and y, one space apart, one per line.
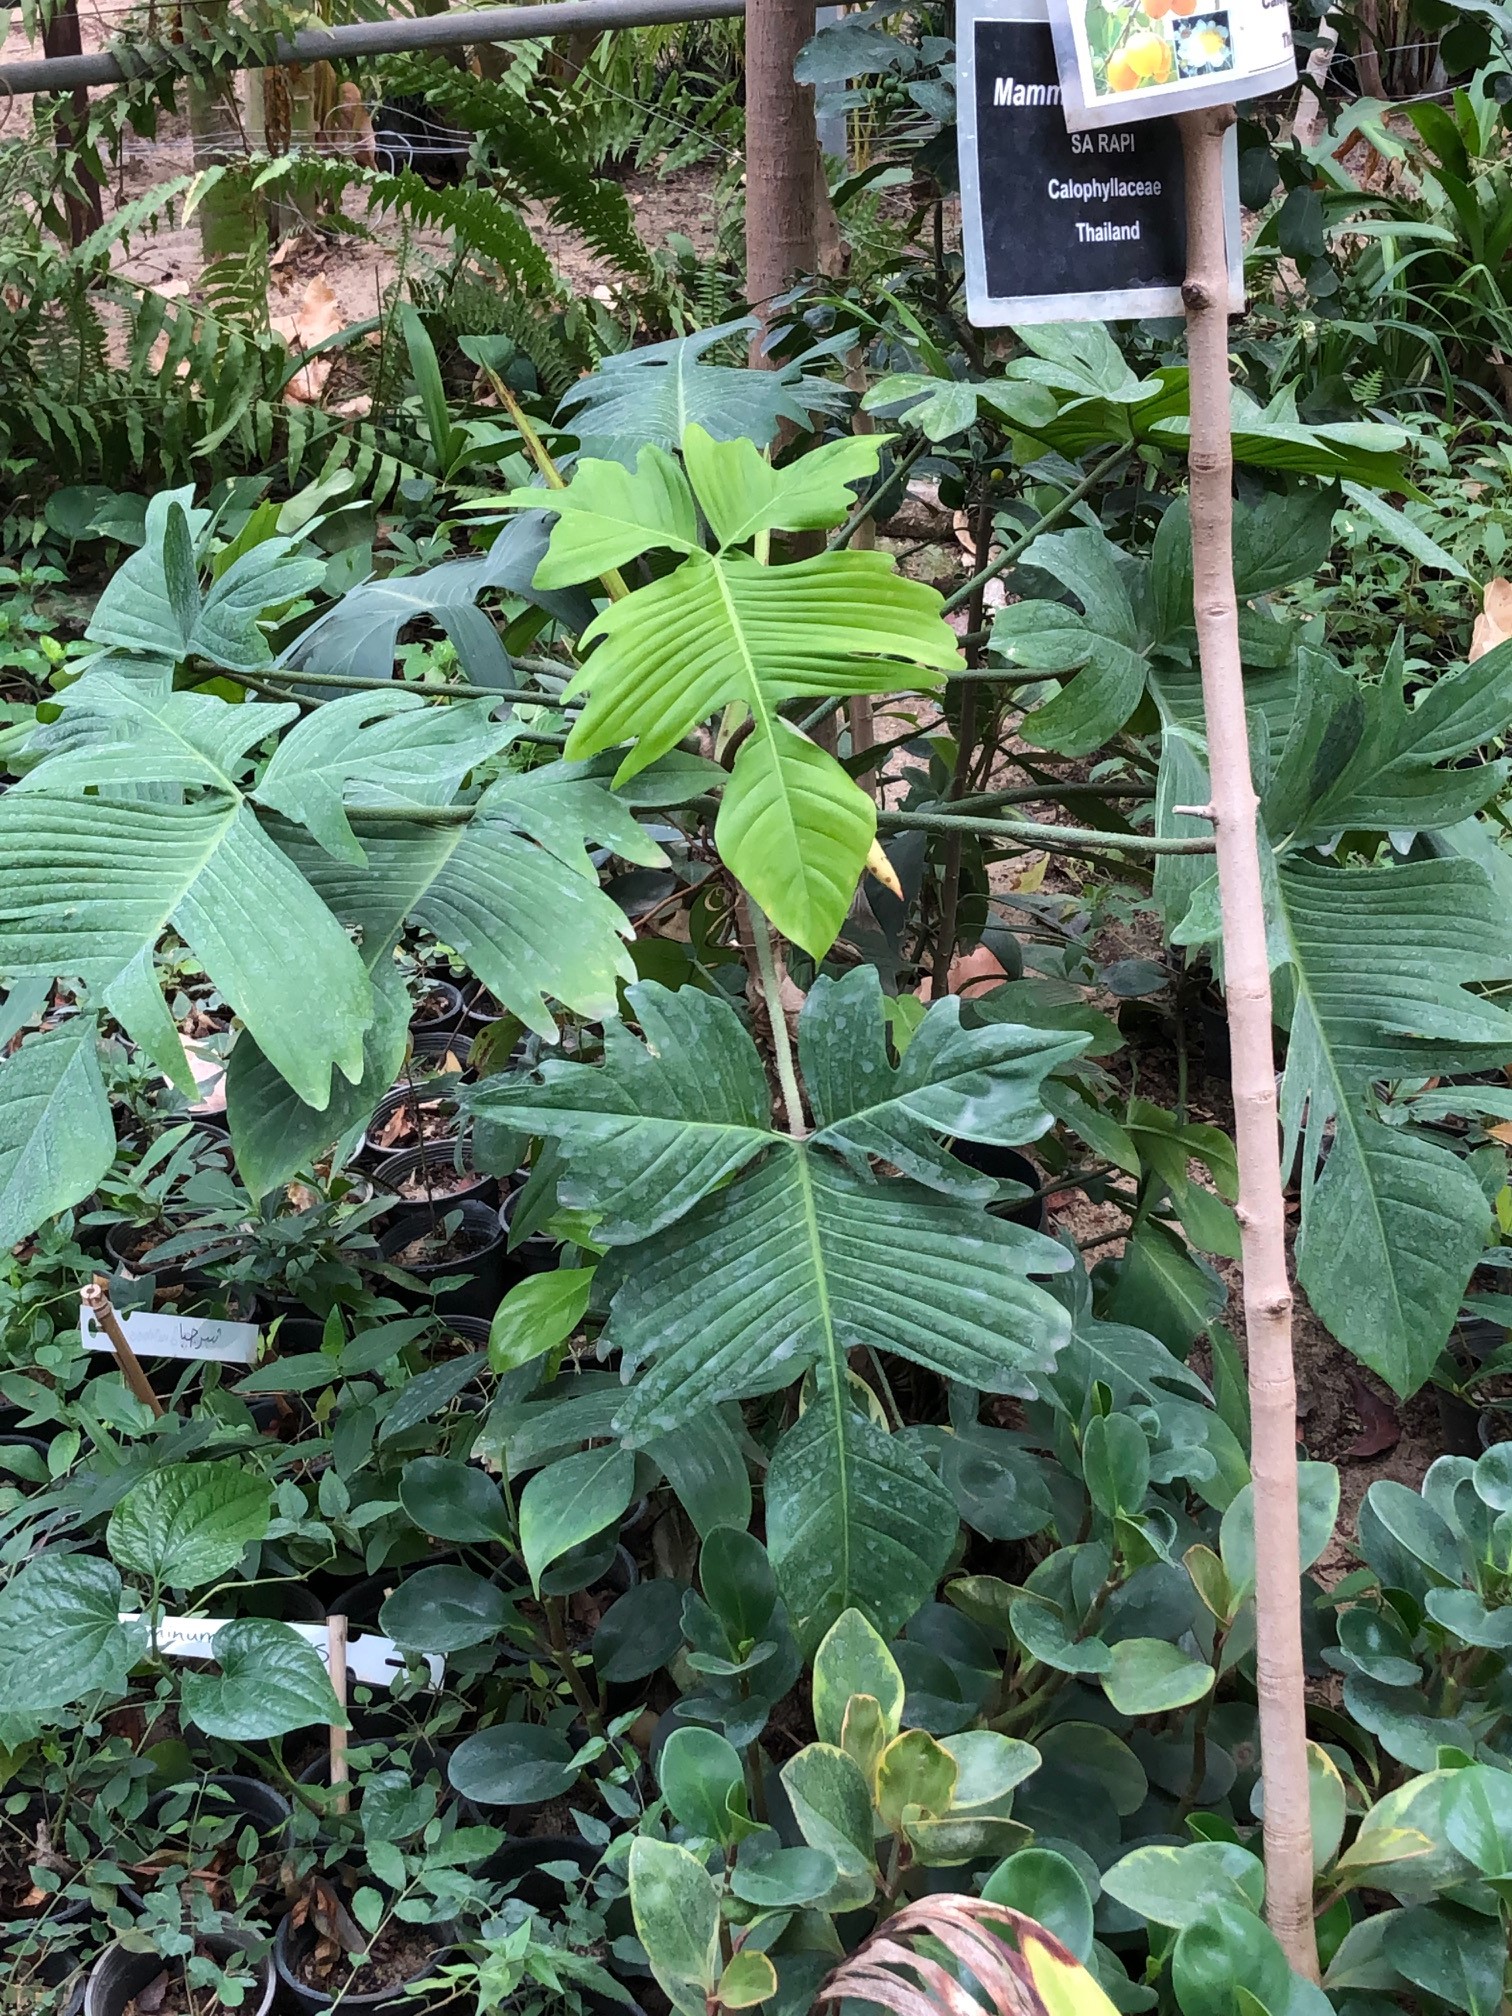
525 1863
1006 1165
438 1008
411 1174
118 1975
439 1118
293 1942
222 1795
535 1254
480 1261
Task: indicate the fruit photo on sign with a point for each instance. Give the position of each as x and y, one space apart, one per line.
1155 42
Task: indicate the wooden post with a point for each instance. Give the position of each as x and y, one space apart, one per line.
60 37
336 1641
782 146
96 1299
1262 1225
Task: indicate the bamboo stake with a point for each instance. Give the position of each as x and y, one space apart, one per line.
336 1642
96 1299
1262 1223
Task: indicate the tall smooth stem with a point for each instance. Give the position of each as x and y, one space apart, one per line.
1262 1222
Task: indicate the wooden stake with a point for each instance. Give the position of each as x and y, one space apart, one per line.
336 1641
1262 1222
96 1299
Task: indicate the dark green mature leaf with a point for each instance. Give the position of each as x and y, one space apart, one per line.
1107 642
511 890
375 749
359 635
56 1135
274 1134
1458 1955
187 1524
569 1502
805 1260
855 1520
443 1609
513 1764
60 1633
119 730
1392 1223
1361 757
271 1681
653 392
659 1124
978 1084
145 613
91 883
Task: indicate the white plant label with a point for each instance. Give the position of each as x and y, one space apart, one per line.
1121 60
154 1335
372 1660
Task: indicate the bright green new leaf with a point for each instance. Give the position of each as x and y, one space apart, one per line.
1175 1886
749 1979
537 1315
188 1524
270 1681
56 1135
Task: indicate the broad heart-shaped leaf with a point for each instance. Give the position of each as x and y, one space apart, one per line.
979 1084
659 1123
1392 1224
569 1502
722 628
60 1633
511 890
188 1524
855 1521
56 1135
803 1261
375 749
652 393
359 634
1359 756
92 883
274 1134
144 612
270 1681
676 1907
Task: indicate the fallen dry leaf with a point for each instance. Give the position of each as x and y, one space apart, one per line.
317 317
1493 626
1380 1429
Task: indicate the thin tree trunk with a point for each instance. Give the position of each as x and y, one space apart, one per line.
782 146
60 37
1262 1223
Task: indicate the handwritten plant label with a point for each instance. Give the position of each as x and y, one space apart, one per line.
1140 59
371 1660
1061 226
154 1335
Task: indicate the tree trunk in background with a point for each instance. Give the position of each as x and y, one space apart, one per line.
61 38
1262 1223
782 146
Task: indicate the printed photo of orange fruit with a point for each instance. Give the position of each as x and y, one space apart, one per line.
1146 59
